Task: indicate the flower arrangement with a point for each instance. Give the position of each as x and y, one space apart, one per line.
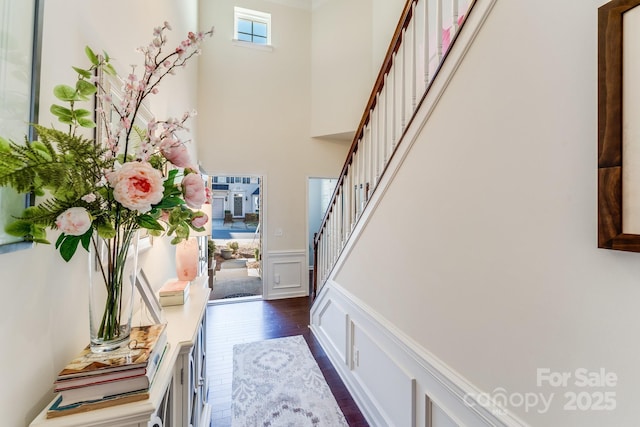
116 183
107 188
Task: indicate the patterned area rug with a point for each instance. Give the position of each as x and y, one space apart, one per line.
277 382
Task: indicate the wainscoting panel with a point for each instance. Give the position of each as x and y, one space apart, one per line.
333 321
286 275
382 377
394 381
439 418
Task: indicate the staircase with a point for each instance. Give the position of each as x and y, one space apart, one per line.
423 39
394 380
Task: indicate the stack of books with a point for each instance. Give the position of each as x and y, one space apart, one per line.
174 292
97 380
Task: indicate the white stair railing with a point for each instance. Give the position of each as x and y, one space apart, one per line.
424 34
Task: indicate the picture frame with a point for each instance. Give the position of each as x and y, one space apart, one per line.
618 136
149 297
19 97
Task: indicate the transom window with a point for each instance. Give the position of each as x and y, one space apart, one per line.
252 26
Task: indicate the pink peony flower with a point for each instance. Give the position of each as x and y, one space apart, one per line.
74 221
193 190
200 221
176 153
208 195
137 186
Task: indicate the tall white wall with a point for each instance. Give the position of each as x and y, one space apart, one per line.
341 48
44 315
255 115
498 273
349 41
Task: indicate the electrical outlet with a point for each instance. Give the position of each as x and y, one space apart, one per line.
276 278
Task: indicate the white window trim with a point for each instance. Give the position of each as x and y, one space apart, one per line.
251 15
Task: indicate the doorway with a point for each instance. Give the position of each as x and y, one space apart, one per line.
236 233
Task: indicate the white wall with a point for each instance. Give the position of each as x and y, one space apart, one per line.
255 114
349 41
44 315
499 274
341 49
385 17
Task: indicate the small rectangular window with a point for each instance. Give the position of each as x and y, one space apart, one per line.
252 26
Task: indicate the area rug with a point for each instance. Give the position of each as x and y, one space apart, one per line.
277 382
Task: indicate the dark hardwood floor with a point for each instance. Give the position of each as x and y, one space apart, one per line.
230 324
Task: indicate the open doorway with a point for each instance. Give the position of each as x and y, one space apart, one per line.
236 233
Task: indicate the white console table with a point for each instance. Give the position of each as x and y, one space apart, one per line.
178 396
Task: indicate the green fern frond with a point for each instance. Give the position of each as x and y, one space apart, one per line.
67 165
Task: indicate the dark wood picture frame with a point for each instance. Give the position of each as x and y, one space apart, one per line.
610 127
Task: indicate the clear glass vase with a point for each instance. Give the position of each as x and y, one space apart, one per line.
113 266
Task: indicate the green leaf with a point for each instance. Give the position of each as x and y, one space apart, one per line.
82 112
59 241
85 88
106 231
65 93
18 228
85 239
84 73
42 150
66 120
109 69
61 111
169 202
5 146
148 222
86 123
155 233
91 55
39 234
69 246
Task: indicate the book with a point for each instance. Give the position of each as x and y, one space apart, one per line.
89 380
90 396
57 409
135 356
97 392
174 292
174 287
